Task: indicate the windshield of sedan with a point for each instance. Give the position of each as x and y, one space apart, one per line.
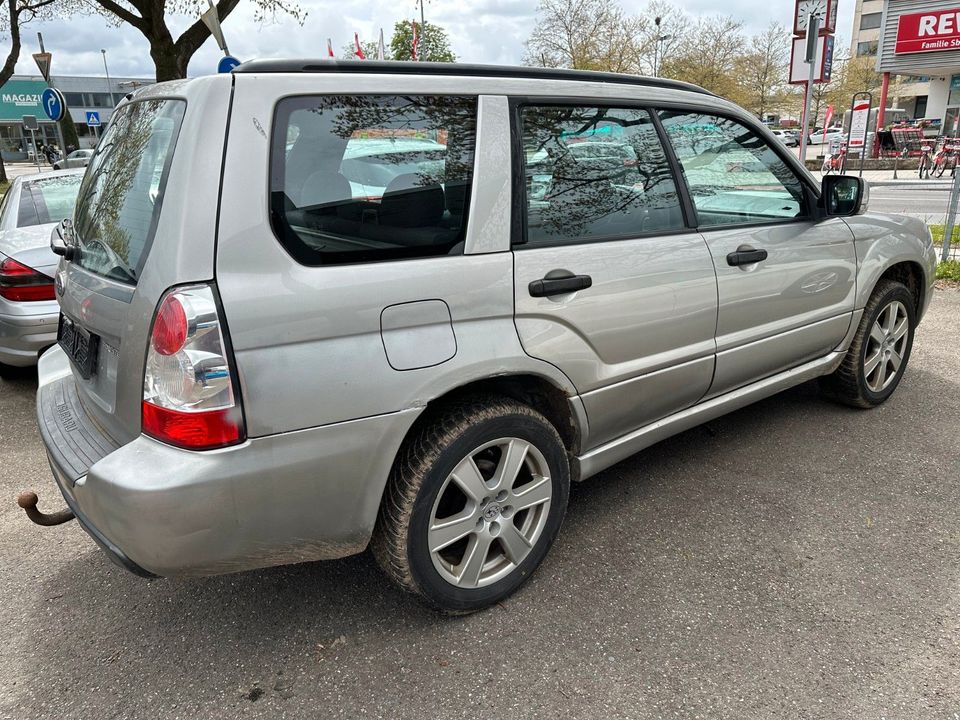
48 200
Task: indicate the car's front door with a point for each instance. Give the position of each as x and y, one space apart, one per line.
611 286
786 279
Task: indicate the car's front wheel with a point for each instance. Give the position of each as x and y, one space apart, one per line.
475 500
878 356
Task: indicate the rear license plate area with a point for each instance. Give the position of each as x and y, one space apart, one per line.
79 345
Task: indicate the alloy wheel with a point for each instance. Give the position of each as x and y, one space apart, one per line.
490 513
886 346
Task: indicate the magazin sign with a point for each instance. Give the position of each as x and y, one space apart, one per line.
21 97
931 31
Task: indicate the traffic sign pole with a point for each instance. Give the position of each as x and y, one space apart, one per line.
810 55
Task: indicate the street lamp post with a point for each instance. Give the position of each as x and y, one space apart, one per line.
658 47
109 85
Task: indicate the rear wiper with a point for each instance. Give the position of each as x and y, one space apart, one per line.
63 241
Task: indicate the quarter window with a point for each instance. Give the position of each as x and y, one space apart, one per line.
734 176
372 178
595 173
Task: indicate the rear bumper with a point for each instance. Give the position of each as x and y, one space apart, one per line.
24 335
307 495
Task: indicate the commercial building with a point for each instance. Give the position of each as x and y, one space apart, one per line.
921 38
20 96
912 92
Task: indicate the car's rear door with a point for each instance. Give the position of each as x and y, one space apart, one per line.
636 338
786 278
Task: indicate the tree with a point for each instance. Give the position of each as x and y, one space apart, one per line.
708 56
150 17
584 35
18 13
434 42
762 71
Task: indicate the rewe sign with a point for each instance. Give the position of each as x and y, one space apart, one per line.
929 31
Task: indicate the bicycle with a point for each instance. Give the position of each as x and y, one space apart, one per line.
947 155
926 160
835 163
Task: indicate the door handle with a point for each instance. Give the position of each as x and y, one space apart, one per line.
746 255
559 285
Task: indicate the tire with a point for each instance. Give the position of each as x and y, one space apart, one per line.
869 374
477 437
938 171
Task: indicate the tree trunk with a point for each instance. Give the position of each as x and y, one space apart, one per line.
168 61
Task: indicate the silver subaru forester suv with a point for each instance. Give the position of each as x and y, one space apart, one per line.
311 307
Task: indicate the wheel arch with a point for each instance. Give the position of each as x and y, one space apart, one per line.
909 273
562 410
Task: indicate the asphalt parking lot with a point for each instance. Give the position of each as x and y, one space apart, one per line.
795 559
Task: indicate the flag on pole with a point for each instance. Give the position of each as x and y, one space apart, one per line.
358 51
381 50
330 48
413 47
828 116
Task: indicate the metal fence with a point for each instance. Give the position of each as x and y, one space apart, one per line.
950 249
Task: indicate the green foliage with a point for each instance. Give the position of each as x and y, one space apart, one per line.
937 232
949 270
435 46
4 184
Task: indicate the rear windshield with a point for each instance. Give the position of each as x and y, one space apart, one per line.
123 188
371 178
48 201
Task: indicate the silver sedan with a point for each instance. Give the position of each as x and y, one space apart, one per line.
29 211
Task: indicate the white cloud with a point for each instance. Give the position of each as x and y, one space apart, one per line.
482 31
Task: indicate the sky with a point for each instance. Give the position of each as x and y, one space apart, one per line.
481 31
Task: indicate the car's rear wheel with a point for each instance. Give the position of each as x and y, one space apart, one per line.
475 500
878 356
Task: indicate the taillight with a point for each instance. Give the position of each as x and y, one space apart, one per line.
189 398
22 283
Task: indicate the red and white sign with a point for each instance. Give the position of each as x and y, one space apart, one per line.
931 31
859 119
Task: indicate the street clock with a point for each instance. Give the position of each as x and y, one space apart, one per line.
825 10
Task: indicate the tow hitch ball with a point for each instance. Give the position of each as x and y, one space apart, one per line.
28 501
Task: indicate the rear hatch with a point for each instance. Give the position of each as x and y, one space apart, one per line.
131 239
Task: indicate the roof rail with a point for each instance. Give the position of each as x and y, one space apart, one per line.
380 67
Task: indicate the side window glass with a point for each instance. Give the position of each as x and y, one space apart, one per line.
371 178
595 173
733 175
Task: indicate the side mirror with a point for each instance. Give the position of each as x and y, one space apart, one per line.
843 195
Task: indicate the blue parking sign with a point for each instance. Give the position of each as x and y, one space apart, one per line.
54 104
93 119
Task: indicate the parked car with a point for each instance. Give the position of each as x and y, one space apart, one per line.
76 159
787 137
820 136
30 209
258 370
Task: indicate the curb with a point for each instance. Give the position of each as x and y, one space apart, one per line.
917 184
